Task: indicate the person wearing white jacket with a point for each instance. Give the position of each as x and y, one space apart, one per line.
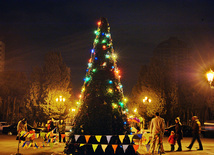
157 129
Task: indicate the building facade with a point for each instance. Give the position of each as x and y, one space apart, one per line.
176 53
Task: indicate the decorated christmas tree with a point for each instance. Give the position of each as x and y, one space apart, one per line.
102 104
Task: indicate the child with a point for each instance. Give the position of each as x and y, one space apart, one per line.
171 140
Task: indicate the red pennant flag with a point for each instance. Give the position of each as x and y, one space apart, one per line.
62 135
135 147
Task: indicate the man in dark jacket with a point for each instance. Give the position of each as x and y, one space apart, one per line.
196 133
61 130
178 133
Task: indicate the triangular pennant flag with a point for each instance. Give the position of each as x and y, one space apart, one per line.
51 144
94 146
29 135
82 145
98 137
87 138
62 135
108 138
147 147
22 133
29 145
135 147
24 144
42 134
51 134
125 147
48 134
36 145
33 137
139 135
121 137
114 147
26 134
130 137
76 137
66 138
104 146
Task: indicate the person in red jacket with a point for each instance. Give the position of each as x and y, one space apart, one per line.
171 140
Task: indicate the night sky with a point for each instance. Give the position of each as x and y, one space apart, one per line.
32 28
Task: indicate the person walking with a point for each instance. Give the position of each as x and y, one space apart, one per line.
171 140
178 133
52 124
61 130
157 129
196 130
21 126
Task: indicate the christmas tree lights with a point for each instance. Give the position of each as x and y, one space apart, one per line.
102 102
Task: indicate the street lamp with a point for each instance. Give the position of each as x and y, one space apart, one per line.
60 99
146 99
210 76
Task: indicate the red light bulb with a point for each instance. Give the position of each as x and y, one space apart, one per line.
99 23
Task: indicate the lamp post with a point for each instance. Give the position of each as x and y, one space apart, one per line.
146 99
60 99
210 76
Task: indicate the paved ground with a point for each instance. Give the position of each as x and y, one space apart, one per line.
8 146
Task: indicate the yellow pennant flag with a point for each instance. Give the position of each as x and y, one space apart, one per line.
104 146
42 134
29 145
114 147
94 146
29 135
82 145
98 137
22 133
87 138
121 137
48 134
25 146
130 137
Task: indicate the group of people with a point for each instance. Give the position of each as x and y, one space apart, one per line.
22 126
60 127
157 129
